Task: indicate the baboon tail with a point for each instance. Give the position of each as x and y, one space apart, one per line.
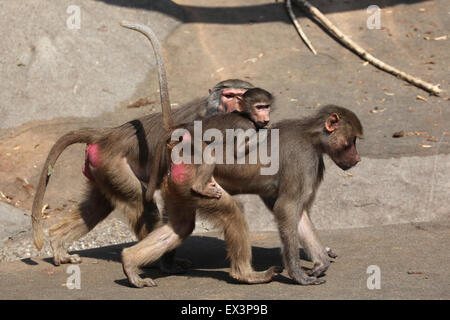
163 86
84 135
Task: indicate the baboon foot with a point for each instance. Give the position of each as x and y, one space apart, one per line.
66 258
132 274
331 253
211 190
302 278
319 269
255 277
61 256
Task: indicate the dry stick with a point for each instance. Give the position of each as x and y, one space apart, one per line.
298 27
434 89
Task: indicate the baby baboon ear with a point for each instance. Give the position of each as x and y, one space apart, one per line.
332 122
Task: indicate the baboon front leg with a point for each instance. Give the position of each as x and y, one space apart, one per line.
238 244
287 220
93 209
309 240
331 253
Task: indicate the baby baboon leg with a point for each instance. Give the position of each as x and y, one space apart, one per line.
204 182
93 209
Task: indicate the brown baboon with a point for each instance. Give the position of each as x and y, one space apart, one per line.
117 170
289 193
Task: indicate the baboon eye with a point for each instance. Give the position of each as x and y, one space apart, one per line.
348 144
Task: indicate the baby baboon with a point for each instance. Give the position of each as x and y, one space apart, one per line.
255 106
252 112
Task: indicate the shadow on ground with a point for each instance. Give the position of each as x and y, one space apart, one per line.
207 254
261 13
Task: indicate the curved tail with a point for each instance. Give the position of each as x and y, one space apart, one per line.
163 87
84 135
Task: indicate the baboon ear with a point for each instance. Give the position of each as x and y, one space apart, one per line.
332 122
209 91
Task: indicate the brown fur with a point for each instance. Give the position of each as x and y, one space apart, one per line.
118 180
251 100
289 194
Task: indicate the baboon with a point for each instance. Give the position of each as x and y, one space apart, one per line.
289 193
256 105
117 170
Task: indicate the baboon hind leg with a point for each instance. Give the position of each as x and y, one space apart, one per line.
149 221
162 240
93 209
237 240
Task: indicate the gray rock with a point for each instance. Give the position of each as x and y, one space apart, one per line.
50 70
13 220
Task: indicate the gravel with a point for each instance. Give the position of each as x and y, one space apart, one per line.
112 231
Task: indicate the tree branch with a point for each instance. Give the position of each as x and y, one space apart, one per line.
298 27
322 20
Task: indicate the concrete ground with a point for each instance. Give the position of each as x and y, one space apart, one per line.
413 261
404 179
